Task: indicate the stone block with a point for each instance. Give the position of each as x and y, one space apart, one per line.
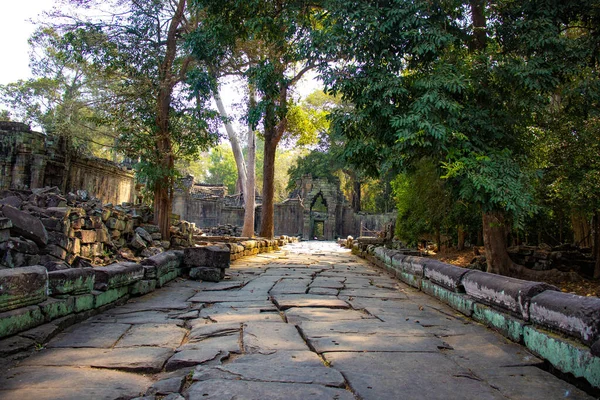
83 302
20 320
102 235
26 225
144 234
511 294
568 313
446 275
20 287
58 239
109 296
414 266
56 251
142 287
56 308
160 264
509 326
137 242
563 354
86 236
117 275
74 246
458 301
207 256
207 274
74 281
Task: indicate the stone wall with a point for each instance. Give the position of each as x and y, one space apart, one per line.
562 328
208 207
30 160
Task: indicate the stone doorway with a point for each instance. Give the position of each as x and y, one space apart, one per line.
318 217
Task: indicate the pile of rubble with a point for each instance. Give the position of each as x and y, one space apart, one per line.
223 230
45 227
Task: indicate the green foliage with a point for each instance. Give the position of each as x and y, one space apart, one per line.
221 168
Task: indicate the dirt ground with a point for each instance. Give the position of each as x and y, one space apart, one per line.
463 258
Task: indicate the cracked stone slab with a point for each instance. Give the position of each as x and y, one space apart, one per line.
323 291
138 317
280 366
365 327
192 354
409 376
328 282
228 315
146 359
378 343
159 335
219 389
291 286
220 286
261 337
265 305
220 297
289 301
70 383
296 315
373 293
202 329
90 335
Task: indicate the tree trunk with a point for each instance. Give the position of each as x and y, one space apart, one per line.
494 240
356 194
596 225
438 238
249 197
461 238
267 228
166 160
581 230
238 155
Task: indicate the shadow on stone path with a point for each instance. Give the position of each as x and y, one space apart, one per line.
310 321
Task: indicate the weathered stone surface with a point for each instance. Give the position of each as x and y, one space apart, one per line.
90 335
207 274
144 234
167 386
15 344
26 225
281 366
203 329
20 287
192 354
409 376
297 315
19 320
268 336
446 275
117 275
207 256
568 313
74 281
160 335
137 242
288 301
377 343
218 389
70 383
508 293
145 359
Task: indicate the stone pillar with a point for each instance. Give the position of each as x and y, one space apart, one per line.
38 167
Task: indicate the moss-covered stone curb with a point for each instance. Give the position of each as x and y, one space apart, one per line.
31 299
560 328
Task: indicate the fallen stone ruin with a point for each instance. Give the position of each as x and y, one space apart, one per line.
562 328
66 258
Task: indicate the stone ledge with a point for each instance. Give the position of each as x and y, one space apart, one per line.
510 294
21 287
520 310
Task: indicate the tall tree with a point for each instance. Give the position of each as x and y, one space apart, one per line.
435 78
283 30
141 42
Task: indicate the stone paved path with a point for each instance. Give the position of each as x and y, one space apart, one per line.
308 322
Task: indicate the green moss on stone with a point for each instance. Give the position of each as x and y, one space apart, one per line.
109 296
457 301
83 302
509 326
20 320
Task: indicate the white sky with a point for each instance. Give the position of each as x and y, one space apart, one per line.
15 29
